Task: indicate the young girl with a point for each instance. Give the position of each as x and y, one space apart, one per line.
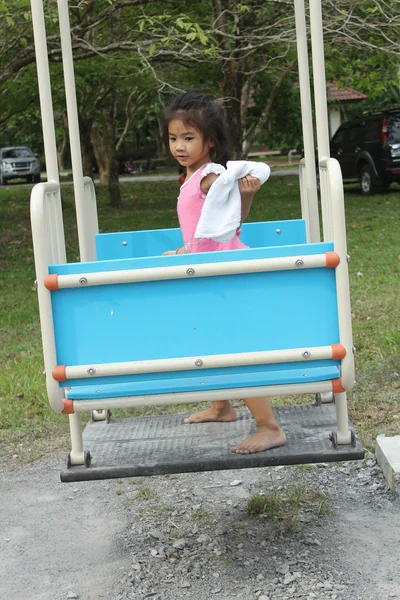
195 134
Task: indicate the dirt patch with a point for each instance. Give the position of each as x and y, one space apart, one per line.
190 536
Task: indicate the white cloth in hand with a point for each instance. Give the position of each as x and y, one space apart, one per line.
222 210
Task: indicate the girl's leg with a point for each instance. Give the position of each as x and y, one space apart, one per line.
269 434
220 410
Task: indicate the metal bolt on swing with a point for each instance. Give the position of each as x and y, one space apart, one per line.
333 438
190 272
278 231
124 243
83 281
299 263
91 371
306 354
198 362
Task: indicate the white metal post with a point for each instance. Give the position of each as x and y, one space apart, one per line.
338 224
44 251
84 216
49 135
311 201
342 419
77 455
321 107
342 272
85 199
46 104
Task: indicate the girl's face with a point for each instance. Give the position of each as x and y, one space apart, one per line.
187 145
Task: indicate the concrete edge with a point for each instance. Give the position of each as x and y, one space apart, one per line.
388 458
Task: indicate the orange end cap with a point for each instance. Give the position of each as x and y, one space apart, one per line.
51 282
338 351
68 407
337 387
332 259
60 373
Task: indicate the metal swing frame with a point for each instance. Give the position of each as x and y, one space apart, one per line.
47 216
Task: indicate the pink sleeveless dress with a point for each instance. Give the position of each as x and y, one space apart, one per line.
190 204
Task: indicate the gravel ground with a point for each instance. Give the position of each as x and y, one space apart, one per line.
189 536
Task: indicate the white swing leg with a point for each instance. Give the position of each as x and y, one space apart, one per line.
76 456
342 419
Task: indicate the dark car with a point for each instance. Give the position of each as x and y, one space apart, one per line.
16 162
368 150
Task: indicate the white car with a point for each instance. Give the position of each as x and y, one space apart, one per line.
16 162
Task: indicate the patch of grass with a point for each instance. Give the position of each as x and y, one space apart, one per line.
137 480
305 467
264 505
201 514
224 560
154 509
285 507
145 493
242 527
28 427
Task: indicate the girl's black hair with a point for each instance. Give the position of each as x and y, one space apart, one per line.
199 111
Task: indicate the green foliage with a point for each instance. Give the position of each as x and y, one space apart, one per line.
171 29
283 128
9 12
375 74
161 47
21 115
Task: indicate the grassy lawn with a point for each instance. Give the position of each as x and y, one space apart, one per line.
28 428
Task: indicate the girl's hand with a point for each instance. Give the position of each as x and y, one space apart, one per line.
248 186
177 251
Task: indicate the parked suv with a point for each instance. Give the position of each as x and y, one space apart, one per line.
16 162
368 150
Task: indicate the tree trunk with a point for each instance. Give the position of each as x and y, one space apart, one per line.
61 150
104 151
113 185
85 126
232 84
267 109
62 145
233 78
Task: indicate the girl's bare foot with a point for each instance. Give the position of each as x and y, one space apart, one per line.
264 439
221 411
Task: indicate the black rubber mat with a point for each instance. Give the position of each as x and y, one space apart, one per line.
164 444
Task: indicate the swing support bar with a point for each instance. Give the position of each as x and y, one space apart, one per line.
239 359
207 396
285 263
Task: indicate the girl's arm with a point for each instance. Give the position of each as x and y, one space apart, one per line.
248 186
207 182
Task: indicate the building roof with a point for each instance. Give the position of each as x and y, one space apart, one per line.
343 94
